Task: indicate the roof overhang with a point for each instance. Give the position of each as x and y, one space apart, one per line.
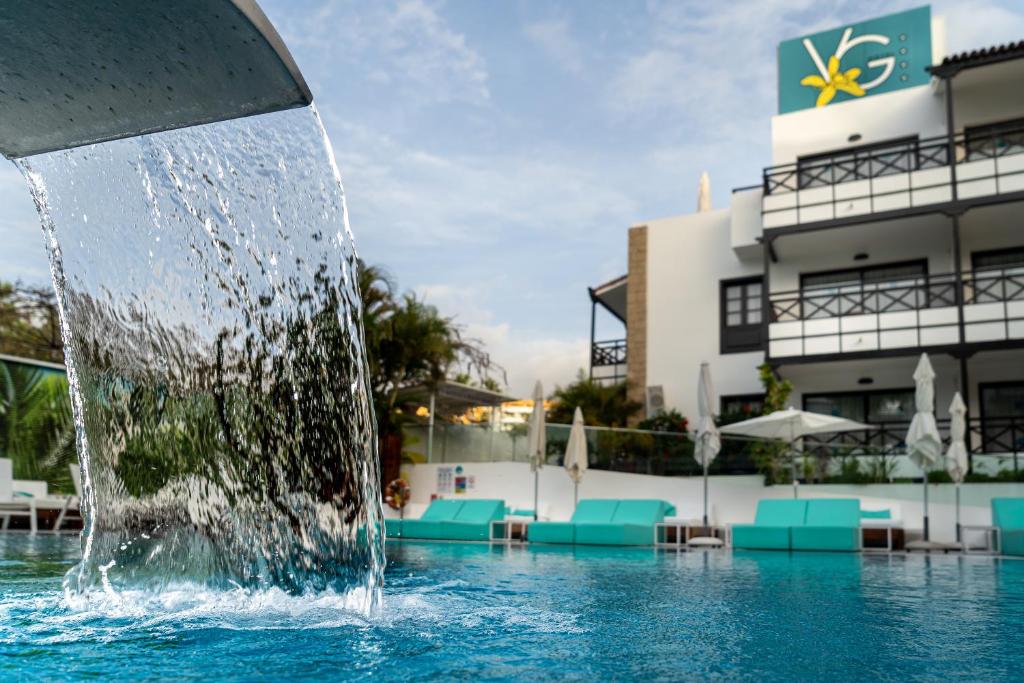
612 296
451 397
954 64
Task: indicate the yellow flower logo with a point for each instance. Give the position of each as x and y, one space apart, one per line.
846 81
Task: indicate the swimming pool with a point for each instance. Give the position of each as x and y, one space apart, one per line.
472 611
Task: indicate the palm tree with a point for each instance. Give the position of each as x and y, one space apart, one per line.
37 429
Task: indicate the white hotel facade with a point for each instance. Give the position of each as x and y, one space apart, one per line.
888 224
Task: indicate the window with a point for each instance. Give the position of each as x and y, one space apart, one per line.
1002 416
873 407
740 324
873 289
735 408
998 275
994 139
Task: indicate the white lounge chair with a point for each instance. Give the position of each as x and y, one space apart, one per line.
11 506
73 504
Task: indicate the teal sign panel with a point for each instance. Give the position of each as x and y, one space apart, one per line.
854 61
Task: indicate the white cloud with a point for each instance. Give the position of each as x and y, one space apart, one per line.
407 46
421 198
22 248
525 355
976 25
554 38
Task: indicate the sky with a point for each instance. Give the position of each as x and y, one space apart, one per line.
495 152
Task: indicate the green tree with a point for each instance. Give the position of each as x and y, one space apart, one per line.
769 456
37 430
29 324
605 405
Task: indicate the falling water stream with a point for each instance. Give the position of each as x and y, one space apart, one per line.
206 280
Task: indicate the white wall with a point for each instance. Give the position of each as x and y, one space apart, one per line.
914 111
928 237
984 95
733 499
745 223
687 256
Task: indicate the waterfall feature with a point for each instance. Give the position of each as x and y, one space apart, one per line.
206 279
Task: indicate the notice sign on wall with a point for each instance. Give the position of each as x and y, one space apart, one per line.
854 61
445 479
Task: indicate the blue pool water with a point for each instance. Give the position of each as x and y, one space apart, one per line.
473 612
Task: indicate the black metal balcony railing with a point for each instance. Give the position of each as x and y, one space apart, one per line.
985 436
844 167
867 298
993 286
605 353
907 315
874 163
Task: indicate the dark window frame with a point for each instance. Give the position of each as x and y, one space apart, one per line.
991 283
982 386
985 133
863 393
861 270
993 252
986 439
809 292
748 336
743 398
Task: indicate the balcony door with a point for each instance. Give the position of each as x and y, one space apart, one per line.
890 409
998 275
872 289
1002 417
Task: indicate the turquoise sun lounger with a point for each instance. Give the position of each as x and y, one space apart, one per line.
1008 516
772 524
450 520
813 524
605 522
831 524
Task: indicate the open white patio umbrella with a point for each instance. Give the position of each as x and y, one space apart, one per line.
536 440
956 456
924 445
576 454
791 424
708 443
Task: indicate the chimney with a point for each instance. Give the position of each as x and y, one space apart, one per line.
704 193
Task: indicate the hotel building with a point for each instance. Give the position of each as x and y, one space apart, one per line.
890 222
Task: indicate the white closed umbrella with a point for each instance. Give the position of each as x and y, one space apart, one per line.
791 424
924 444
708 442
576 453
956 456
536 439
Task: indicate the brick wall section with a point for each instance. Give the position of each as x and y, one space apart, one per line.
636 316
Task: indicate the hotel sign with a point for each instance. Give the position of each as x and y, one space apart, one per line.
854 61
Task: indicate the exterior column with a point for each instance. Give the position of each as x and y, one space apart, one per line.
951 136
636 317
593 313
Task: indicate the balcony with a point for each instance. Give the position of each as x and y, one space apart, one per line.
998 437
908 314
891 179
608 360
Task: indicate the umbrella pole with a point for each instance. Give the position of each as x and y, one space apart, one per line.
575 494
926 505
705 493
958 512
536 491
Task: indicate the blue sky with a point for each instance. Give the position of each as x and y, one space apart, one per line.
494 153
